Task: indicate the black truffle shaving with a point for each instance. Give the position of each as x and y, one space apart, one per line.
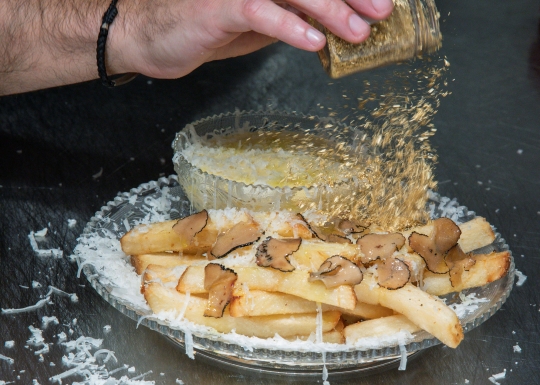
275 252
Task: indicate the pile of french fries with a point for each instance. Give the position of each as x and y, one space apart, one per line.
266 301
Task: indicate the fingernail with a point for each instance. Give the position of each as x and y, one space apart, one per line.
381 6
314 36
358 26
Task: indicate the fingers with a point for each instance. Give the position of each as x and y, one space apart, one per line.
337 16
347 20
372 9
247 42
268 18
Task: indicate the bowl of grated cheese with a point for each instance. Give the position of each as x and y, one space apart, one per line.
270 160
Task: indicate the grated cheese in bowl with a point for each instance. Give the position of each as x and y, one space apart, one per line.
269 161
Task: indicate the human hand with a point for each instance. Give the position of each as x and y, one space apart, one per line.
170 38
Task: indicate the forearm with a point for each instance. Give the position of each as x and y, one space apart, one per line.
46 43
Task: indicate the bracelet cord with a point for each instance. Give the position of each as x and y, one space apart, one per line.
108 18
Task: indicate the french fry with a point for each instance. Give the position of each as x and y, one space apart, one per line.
258 302
160 299
160 236
165 275
364 310
267 301
333 336
140 262
415 263
379 327
285 224
423 309
312 253
488 268
192 280
268 279
475 234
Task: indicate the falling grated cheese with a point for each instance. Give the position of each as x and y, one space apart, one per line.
403 361
319 332
186 303
188 340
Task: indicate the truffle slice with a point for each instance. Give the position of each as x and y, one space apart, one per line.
350 226
392 273
327 233
275 252
458 262
337 271
312 229
240 235
379 246
218 281
336 238
433 248
188 227
445 233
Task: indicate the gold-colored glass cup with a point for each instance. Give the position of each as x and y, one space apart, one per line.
411 31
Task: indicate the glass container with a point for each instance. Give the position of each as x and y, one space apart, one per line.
208 188
411 31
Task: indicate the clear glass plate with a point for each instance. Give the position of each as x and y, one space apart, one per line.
169 202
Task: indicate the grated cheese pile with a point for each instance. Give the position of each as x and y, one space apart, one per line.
270 159
84 360
469 303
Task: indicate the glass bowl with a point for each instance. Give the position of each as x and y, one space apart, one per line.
325 153
110 273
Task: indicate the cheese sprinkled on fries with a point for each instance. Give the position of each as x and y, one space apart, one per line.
272 272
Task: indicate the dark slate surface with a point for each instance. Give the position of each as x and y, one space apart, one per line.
53 142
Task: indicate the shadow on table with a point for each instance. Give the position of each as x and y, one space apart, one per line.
534 60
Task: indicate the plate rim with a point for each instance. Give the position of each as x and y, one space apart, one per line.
167 330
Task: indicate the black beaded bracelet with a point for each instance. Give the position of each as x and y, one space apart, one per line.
107 20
